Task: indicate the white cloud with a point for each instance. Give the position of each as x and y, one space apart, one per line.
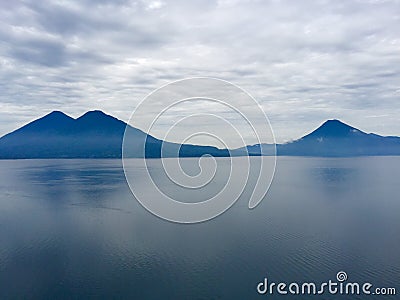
305 61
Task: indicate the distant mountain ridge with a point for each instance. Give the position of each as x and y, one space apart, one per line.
92 135
98 135
335 139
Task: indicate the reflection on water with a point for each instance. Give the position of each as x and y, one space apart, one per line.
70 228
332 174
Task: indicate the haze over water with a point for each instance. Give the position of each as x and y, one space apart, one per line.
71 228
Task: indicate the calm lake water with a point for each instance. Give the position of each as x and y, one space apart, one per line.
72 229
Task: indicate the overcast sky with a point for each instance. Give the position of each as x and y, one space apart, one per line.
305 61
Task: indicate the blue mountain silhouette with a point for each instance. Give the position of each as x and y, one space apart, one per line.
332 139
335 138
98 135
93 135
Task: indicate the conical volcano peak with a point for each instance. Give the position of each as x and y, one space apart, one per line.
52 122
57 114
335 123
334 128
97 117
94 114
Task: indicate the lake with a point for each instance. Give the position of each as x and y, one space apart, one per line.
72 229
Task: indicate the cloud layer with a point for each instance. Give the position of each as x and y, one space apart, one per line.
305 61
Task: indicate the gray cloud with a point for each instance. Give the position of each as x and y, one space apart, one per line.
305 61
